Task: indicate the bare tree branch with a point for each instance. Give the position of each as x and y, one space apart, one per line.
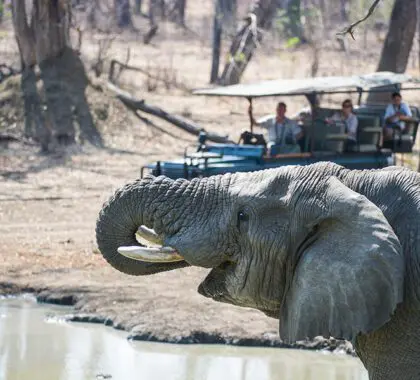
350 28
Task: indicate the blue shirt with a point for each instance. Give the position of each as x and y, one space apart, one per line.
392 109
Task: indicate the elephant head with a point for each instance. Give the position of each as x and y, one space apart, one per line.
297 245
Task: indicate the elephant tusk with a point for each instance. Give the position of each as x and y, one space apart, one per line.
149 235
152 255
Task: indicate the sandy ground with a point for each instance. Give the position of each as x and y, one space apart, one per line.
49 204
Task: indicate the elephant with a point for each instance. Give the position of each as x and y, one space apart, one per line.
326 250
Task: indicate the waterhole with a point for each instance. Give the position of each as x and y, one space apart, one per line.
35 344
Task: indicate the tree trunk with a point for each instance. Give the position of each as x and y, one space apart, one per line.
35 125
65 83
398 42
343 11
182 4
1 10
45 42
92 7
123 13
63 74
51 22
247 39
224 17
323 6
217 41
418 43
153 7
162 9
137 7
177 12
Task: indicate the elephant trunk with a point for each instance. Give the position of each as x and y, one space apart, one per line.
132 206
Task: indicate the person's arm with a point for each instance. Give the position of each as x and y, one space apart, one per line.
407 113
266 123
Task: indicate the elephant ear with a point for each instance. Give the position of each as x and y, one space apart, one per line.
349 279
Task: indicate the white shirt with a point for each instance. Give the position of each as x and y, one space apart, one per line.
392 109
351 123
278 131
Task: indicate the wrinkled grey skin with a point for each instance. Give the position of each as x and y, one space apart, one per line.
325 250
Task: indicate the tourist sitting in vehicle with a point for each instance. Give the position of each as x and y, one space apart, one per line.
396 114
283 133
349 119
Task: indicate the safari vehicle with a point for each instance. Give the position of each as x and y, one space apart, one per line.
322 141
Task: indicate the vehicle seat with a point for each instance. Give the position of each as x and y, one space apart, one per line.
403 142
329 137
369 132
335 137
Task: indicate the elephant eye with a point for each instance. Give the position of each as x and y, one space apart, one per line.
242 217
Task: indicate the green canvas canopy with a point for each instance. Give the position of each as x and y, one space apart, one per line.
305 86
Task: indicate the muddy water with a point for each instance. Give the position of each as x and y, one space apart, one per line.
36 346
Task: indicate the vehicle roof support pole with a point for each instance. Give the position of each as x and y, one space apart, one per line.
250 115
314 102
359 99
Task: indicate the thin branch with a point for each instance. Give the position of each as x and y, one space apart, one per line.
350 28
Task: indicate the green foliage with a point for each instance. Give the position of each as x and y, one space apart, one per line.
292 42
289 22
239 57
5 11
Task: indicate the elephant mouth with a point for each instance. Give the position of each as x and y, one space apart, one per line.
214 289
213 285
151 250
209 289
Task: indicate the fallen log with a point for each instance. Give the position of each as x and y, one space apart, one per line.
179 122
4 137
